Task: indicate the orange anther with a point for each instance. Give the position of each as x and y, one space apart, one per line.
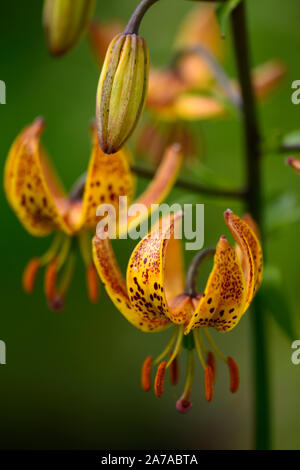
209 383
234 375
146 374
92 283
50 280
29 275
159 379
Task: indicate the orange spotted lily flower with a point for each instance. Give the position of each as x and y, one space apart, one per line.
42 206
154 297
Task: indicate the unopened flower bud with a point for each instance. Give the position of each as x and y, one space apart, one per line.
64 22
122 90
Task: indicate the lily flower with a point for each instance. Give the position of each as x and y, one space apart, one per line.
43 207
155 297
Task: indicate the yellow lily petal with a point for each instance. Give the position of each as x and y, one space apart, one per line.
155 274
160 186
224 298
30 186
108 177
294 163
193 107
113 280
250 252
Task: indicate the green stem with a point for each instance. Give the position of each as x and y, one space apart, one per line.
254 206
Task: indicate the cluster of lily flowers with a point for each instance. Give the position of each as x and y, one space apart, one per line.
154 296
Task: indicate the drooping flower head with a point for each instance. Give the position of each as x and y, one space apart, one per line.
154 297
43 207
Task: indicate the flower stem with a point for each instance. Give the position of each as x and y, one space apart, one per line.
184 183
137 16
254 206
191 277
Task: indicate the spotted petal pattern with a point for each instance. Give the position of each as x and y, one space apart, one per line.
115 286
250 252
30 186
154 274
109 177
222 303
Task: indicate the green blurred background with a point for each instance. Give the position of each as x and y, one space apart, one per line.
72 380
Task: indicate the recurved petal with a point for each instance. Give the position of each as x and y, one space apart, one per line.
222 303
197 107
250 252
31 186
155 274
294 163
108 178
160 186
113 280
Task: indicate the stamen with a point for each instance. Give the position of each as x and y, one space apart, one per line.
234 375
50 280
184 404
198 348
209 383
211 361
92 283
160 379
174 372
52 251
29 275
85 248
67 275
63 255
167 348
146 374
214 346
177 345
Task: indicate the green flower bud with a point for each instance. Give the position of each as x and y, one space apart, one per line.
122 90
64 22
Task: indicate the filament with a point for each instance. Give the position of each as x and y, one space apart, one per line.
177 346
214 346
167 348
52 251
199 349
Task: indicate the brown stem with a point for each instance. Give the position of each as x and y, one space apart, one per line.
193 187
137 16
191 277
254 206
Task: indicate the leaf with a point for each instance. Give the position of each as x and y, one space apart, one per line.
274 299
223 14
282 212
